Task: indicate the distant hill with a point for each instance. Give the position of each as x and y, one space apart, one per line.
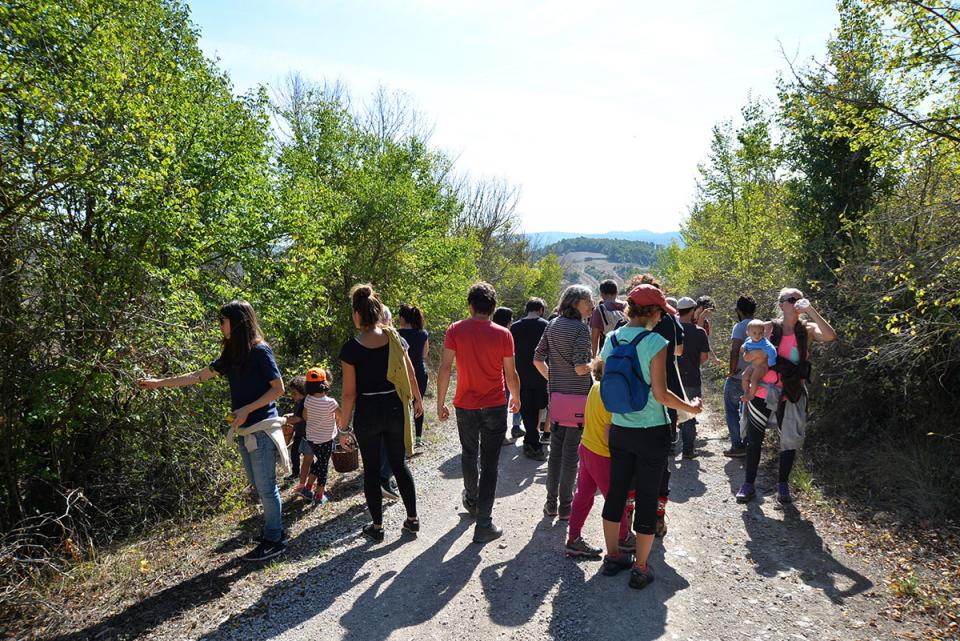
637 252
544 238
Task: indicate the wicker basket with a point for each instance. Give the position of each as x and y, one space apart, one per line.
346 460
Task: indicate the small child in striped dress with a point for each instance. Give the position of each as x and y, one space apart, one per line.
323 417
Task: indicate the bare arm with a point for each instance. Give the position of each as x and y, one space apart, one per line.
513 383
658 385
338 417
349 392
543 368
426 348
183 380
443 382
595 334
820 329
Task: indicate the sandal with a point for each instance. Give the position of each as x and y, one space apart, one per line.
374 532
412 524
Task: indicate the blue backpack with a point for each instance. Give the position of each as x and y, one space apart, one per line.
623 388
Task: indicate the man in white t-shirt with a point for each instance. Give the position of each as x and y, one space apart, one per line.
732 390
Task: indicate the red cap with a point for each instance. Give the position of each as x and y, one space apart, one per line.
650 295
316 375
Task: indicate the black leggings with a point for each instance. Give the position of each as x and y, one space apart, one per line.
637 458
757 415
665 481
422 378
378 422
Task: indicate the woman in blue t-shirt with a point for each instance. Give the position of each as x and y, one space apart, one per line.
640 440
410 327
255 385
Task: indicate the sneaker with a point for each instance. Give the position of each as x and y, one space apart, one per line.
320 501
628 545
549 510
411 524
640 577
579 547
613 564
374 532
265 551
534 455
485 534
564 515
661 527
419 442
736 452
783 493
292 476
517 432
506 440
746 493
305 493
545 438
468 505
389 489
689 456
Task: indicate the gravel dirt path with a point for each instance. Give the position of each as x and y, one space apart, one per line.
724 571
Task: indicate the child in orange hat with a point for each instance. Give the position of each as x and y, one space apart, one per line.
322 415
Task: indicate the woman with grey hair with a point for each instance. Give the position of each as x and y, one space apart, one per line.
563 358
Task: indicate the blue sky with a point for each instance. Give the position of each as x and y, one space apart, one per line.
598 111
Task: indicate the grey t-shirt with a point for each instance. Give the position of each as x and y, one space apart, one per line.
740 333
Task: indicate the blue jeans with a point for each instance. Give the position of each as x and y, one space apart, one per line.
261 467
688 429
732 391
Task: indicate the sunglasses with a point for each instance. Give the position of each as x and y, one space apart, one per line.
790 299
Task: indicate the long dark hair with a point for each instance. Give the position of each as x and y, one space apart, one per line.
411 315
245 333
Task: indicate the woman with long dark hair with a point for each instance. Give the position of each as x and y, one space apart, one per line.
255 385
378 383
411 328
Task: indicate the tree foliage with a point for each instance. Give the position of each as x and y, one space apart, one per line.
138 193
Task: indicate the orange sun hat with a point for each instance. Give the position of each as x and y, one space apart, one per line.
316 375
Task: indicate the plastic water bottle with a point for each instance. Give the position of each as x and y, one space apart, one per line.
803 303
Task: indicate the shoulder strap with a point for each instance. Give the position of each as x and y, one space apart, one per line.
603 313
777 332
639 337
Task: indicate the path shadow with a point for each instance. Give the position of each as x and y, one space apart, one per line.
685 482
174 601
516 589
793 544
515 472
616 611
414 595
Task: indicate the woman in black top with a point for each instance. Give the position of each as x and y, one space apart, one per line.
410 327
376 408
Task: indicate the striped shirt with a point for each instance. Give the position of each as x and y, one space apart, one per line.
565 344
321 418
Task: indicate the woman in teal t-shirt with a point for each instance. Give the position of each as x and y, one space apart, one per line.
639 441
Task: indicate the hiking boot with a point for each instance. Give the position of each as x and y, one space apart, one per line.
468 505
265 551
783 493
388 487
485 534
640 577
579 547
629 544
534 455
661 528
736 452
550 510
613 564
746 493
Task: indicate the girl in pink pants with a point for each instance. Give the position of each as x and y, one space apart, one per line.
594 474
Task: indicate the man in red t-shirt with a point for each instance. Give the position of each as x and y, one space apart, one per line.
484 356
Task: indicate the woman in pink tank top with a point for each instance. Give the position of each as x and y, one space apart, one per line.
815 328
